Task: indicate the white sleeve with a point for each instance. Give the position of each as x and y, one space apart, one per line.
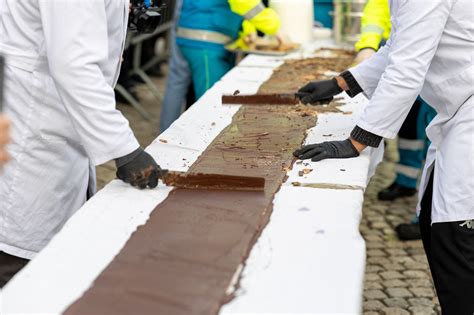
418 27
368 73
76 38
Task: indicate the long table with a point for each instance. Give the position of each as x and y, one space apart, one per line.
310 258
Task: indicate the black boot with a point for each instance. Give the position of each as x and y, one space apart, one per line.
395 191
408 231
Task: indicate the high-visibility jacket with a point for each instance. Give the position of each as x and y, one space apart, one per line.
214 23
376 25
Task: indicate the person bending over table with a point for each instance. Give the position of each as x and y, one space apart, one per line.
430 51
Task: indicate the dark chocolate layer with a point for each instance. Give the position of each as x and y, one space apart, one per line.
183 259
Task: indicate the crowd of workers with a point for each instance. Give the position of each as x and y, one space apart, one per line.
60 102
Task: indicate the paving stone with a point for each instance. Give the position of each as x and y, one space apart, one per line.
421 302
396 252
396 302
375 253
416 266
389 232
373 305
396 267
375 218
372 277
402 259
378 260
414 244
421 310
388 275
379 225
395 283
373 268
375 245
373 238
399 292
415 274
419 282
416 251
394 244
427 292
420 258
374 295
373 285
394 311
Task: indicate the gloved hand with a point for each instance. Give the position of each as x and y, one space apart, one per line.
327 150
363 55
319 91
247 37
139 169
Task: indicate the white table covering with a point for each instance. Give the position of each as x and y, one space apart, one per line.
309 259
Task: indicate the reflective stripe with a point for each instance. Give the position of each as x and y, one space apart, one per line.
202 35
412 145
408 171
372 29
254 11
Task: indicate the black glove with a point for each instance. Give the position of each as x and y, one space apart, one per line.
319 92
139 169
327 150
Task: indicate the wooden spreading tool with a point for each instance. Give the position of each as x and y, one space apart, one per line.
261 99
213 181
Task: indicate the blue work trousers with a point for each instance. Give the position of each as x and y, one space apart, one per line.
207 66
413 144
179 80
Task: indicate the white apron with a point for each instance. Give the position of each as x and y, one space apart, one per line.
63 60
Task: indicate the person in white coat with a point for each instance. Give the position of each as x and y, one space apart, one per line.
62 62
430 52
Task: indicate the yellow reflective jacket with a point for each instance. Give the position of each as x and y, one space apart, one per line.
376 24
264 19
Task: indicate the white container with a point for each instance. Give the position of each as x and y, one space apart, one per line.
297 19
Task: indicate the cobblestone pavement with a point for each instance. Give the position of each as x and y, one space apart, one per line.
397 279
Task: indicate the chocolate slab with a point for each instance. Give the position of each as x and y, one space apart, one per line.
261 99
214 181
184 259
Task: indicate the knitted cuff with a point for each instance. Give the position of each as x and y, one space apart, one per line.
366 137
128 158
354 87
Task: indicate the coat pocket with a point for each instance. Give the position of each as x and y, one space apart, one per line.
453 92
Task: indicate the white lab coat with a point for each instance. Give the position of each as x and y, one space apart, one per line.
63 60
430 52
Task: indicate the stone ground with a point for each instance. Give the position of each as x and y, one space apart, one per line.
397 280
